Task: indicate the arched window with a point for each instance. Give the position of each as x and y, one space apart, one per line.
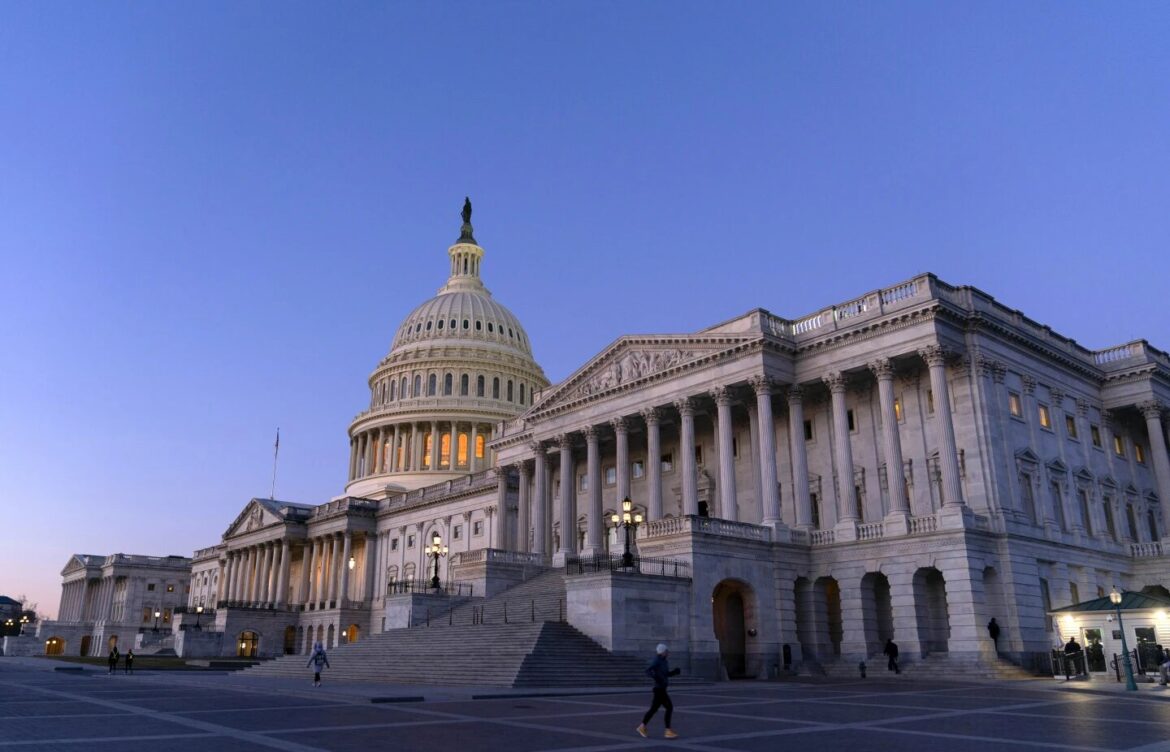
521 393
465 266
479 445
432 384
464 385
452 323
402 388
496 388
479 386
478 325
448 380
466 324
394 390
491 327
462 456
440 323
429 325
417 386
509 390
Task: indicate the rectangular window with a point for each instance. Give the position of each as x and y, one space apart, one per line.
1110 525
1152 519
1095 434
816 510
1086 517
1070 425
1046 597
667 462
1045 418
166 616
410 541
1058 505
457 532
1139 453
1131 519
851 421
808 430
393 544
150 586
477 527
610 476
584 482
1075 592
637 468
1015 405
1118 446
698 454
898 408
146 616
1028 499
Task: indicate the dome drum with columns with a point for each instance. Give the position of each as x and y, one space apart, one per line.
459 363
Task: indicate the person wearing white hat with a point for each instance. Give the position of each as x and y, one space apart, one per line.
659 670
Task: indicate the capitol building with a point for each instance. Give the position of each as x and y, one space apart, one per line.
908 464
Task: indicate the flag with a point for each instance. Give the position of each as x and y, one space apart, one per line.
276 447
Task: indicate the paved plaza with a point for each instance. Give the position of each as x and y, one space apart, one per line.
42 709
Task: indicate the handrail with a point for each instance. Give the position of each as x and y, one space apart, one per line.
647 565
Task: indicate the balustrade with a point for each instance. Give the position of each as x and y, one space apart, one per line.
1144 550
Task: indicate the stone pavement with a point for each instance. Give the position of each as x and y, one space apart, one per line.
42 709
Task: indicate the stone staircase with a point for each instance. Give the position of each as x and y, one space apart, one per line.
933 666
473 645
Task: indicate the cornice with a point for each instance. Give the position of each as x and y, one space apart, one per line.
904 319
373 419
977 322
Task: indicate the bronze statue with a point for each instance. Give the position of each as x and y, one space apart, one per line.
466 210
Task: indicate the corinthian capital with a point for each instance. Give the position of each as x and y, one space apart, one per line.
538 447
882 369
591 433
836 381
652 415
761 384
685 406
721 395
620 425
1029 383
934 355
1151 409
1057 396
795 394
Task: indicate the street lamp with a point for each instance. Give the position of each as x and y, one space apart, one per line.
1130 684
198 613
157 614
436 550
627 519
8 626
23 621
352 563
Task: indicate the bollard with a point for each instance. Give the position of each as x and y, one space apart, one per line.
861 668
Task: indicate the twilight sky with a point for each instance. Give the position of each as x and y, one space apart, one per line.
213 216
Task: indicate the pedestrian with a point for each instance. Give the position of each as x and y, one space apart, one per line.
660 671
317 660
891 652
993 632
1072 655
113 659
130 661
1164 667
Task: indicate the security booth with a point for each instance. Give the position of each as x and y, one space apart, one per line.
1104 629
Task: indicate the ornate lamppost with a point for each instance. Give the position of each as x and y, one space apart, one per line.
23 622
198 614
157 614
1130 684
436 550
628 520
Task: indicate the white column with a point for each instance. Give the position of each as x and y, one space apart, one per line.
595 523
331 576
452 442
500 523
727 497
883 369
369 567
621 431
1153 413
653 464
540 498
472 460
346 552
568 513
769 498
317 574
690 485
273 573
523 518
281 598
353 455
304 596
948 453
799 458
846 499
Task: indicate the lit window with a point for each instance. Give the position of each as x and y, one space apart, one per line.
667 463
479 444
610 476
1095 433
1139 453
477 527
462 458
1118 446
1015 406
1045 419
1070 425
170 588
637 468
898 409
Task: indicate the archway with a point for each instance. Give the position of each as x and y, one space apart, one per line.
55 646
300 638
995 604
248 645
86 642
877 611
732 611
351 633
930 608
828 597
290 640
331 641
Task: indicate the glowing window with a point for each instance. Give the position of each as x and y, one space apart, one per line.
479 447
1015 406
462 457
445 449
1045 418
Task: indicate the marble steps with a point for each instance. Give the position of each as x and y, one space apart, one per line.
541 598
935 666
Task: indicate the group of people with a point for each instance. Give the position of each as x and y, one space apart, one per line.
113 660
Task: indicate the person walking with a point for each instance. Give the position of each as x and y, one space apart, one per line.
1073 657
993 633
891 652
113 659
660 671
130 661
317 660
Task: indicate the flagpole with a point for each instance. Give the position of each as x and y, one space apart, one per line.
275 454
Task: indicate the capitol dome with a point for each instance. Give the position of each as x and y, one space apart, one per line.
459 364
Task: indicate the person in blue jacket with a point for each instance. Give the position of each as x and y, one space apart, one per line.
660 671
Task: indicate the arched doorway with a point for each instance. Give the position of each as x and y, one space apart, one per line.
331 637
86 641
877 611
828 596
351 633
55 646
732 609
248 645
930 607
290 640
300 638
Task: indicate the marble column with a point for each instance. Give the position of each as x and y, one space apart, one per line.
281 598
225 588
728 500
266 572
453 447
343 567
331 575
304 596
353 455
799 458
621 430
472 460
371 452
883 370
690 484
370 553
500 523
652 417
568 514
523 517
540 500
770 498
1152 411
594 521
948 453
435 460
843 451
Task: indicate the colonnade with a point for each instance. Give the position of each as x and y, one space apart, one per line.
258 575
403 448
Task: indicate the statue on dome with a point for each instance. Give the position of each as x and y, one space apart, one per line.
465 233
466 210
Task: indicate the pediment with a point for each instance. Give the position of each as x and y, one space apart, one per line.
634 360
1057 467
256 515
76 563
1084 474
1027 455
1108 482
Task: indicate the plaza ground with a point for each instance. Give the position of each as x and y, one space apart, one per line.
84 709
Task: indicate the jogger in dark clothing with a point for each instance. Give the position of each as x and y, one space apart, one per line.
660 671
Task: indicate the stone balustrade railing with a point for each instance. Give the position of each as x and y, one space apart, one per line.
1145 550
422 405
495 555
870 531
481 479
822 537
927 524
707 525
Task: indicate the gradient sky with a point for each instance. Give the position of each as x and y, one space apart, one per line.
213 216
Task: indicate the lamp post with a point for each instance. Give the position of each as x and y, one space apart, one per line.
1130 684
8 626
352 563
436 550
157 614
627 519
23 621
198 614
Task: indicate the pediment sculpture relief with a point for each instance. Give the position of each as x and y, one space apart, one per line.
632 365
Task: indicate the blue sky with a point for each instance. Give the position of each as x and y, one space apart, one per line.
214 216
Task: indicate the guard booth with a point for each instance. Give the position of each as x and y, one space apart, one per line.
1145 618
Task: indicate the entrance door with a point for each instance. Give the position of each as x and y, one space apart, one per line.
248 644
1094 650
1149 652
729 630
85 642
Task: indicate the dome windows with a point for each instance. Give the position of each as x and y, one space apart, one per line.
491 328
452 323
466 324
479 386
440 326
464 385
429 325
496 388
432 383
447 383
478 325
